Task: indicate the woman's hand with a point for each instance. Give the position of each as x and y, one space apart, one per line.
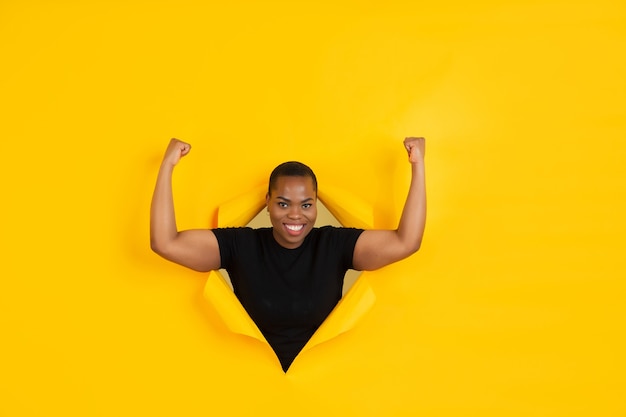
416 148
175 151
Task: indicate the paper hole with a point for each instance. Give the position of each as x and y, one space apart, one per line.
324 218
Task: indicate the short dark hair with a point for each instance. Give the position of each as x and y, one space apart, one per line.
291 169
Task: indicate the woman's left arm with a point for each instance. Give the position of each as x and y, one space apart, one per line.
377 248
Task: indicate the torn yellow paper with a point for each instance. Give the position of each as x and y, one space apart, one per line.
350 211
228 307
240 210
352 307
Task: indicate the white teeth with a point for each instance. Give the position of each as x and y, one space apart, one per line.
294 227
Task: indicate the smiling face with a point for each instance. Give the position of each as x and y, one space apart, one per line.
292 206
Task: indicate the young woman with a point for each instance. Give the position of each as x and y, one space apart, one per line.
289 276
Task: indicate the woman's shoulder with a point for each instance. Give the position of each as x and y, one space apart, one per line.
336 231
241 232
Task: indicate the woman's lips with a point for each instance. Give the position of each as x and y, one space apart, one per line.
294 229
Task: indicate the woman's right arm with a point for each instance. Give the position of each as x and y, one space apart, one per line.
196 249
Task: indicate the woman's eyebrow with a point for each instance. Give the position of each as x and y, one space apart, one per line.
289 201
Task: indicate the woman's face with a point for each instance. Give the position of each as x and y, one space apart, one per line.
292 206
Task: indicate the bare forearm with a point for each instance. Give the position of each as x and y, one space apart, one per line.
413 221
162 216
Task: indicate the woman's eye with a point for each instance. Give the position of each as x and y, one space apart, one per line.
307 205
282 205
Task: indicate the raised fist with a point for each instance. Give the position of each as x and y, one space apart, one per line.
175 150
416 148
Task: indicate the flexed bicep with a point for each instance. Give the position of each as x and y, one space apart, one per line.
378 248
197 249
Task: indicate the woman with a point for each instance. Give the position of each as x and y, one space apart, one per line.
288 277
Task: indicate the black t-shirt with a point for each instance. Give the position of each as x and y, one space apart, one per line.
287 292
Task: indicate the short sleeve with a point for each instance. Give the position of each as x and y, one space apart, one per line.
341 240
228 240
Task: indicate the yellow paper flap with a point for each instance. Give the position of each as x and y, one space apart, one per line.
236 318
350 210
350 310
240 210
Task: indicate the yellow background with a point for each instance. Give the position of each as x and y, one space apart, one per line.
513 307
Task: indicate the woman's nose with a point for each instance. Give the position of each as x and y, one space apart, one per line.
294 213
